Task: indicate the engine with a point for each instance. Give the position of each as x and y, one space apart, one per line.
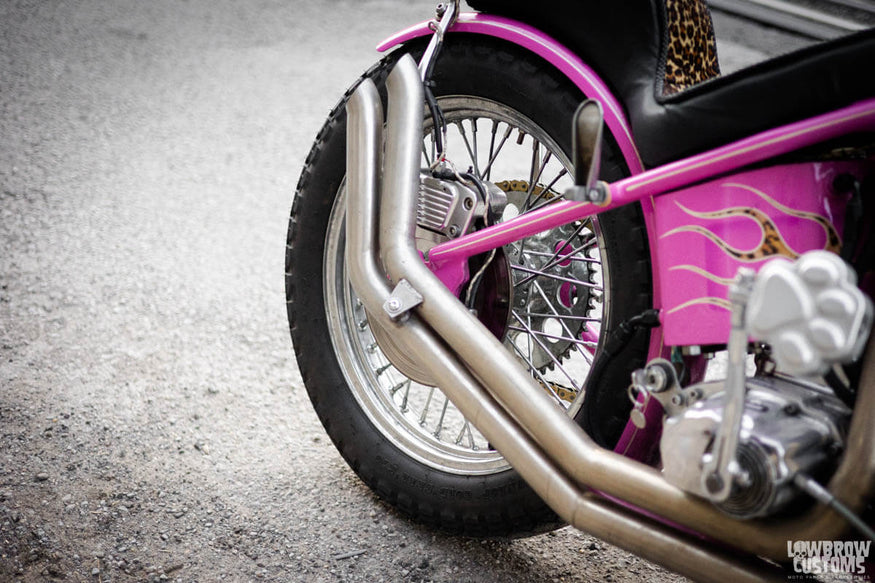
788 427
746 442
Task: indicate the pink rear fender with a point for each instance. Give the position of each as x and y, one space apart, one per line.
551 51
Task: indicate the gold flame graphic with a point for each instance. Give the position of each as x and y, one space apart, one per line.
706 274
771 242
719 302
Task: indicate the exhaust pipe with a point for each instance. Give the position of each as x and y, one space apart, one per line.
601 518
516 416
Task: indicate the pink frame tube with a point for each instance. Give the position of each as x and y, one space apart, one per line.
857 117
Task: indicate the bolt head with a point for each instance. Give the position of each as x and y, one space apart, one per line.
657 379
714 483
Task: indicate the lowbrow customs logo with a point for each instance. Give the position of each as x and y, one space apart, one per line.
822 557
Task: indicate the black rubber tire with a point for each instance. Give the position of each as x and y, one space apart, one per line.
499 504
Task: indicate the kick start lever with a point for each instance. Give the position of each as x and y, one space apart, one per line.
586 142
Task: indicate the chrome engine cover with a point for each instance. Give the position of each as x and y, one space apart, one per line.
743 443
788 427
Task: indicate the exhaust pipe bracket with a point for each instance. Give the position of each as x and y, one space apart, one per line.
402 299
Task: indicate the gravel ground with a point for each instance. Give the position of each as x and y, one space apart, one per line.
153 425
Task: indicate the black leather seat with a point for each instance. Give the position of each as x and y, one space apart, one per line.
623 41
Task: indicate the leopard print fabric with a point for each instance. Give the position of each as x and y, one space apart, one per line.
691 51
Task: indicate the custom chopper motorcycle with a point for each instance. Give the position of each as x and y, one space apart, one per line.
520 237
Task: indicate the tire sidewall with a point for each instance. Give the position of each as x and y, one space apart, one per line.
494 504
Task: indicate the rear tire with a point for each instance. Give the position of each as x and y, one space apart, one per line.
471 489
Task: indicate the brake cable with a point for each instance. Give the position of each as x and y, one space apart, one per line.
446 15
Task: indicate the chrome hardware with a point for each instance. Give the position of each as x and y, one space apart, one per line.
721 468
789 428
660 380
447 206
742 442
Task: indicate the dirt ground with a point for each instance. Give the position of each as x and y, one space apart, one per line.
153 425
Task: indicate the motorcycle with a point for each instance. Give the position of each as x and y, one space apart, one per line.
520 210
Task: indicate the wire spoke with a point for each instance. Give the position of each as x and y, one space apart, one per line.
537 333
488 171
424 414
556 258
533 165
476 153
497 151
406 397
471 153
546 202
557 254
533 334
587 356
547 190
534 181
440 425
400 386
537 273
466 428
562 316
568 257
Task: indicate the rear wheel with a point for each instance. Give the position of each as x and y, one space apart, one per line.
550 298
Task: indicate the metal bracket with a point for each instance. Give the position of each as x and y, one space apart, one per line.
402 299
598 194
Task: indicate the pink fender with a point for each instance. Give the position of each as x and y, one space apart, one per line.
551 51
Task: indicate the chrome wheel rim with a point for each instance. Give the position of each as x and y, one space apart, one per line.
559 268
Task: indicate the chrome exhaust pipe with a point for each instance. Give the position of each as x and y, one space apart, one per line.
601 518
515 415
